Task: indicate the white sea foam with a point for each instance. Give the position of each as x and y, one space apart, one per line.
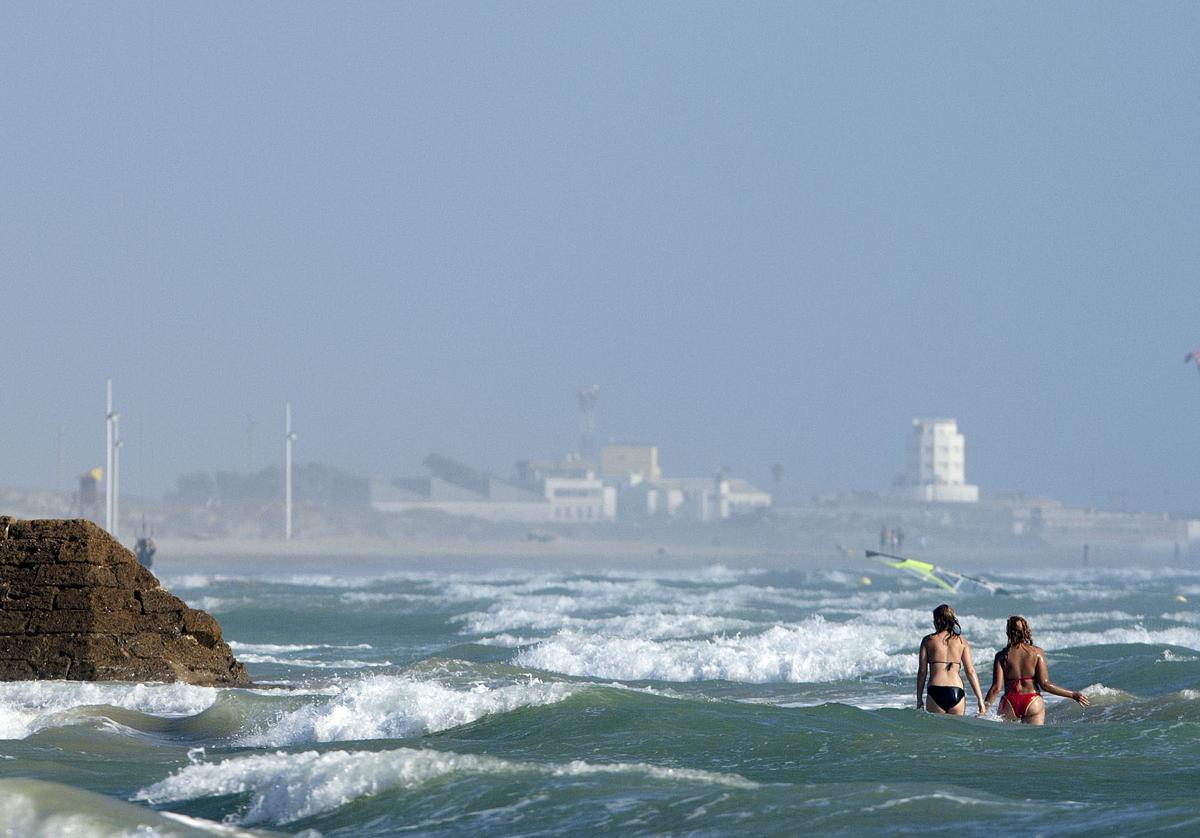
1099 694
506 640
600 605
374 597
1192 618
278 653
321 580
309 663
654 625
1174 636
281 648
391 707
287 787
211 604
814 651
29 706
693 640
188 581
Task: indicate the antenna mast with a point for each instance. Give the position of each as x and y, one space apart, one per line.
587 419
116 478
110 420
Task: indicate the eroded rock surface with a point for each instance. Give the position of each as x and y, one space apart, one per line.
75 604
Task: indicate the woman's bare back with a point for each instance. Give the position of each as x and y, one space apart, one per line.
944 657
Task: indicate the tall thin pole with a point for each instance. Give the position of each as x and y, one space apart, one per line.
108 460
289 438
587 419
116 478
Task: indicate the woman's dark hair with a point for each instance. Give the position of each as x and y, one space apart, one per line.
1018 631
944 620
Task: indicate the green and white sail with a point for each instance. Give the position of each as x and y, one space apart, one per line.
940 577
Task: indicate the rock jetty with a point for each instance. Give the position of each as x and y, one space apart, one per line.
76 605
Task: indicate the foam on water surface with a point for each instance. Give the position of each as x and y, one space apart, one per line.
287 787
391 707
791 680
814 652
29 706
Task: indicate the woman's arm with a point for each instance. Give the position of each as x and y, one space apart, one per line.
969 667
1042 673
922 666
997 682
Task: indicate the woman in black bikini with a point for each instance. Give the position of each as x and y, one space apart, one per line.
944 656
1021 668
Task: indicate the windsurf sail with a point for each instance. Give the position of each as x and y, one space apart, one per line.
940 577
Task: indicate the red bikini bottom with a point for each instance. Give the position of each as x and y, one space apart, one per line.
1019 702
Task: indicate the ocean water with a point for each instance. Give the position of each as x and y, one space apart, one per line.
702 701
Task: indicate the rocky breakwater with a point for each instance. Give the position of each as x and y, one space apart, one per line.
75 604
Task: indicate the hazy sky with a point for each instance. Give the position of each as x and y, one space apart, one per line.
771 232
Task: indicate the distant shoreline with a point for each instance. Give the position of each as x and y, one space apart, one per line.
559 548
372 555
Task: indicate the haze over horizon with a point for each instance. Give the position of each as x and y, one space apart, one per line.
771 233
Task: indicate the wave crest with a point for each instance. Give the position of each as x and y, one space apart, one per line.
287 787
391 707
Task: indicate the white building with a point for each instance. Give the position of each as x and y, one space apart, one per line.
583 498
935 463
697 498
572 487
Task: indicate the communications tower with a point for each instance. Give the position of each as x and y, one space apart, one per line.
587 419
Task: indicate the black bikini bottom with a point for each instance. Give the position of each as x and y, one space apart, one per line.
946 697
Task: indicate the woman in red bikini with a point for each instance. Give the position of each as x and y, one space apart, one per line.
1021 668
945 656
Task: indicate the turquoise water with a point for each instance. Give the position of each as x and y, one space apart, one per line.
704 701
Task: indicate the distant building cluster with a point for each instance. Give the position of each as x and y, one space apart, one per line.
625 482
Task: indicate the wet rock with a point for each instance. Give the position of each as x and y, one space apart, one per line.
75 604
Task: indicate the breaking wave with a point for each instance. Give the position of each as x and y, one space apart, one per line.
287 787
390 707
813 652
29 706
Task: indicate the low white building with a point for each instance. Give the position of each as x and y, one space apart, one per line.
583 498
572 487
698 498
935 463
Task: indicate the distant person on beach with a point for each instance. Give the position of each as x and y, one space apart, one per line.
1021 668
943 658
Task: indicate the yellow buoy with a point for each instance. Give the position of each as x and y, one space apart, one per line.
1180 598
864 580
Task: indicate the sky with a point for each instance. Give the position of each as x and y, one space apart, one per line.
772 233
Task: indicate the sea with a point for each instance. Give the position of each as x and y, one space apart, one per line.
756 698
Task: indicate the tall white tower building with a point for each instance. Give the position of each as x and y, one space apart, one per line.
935 463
